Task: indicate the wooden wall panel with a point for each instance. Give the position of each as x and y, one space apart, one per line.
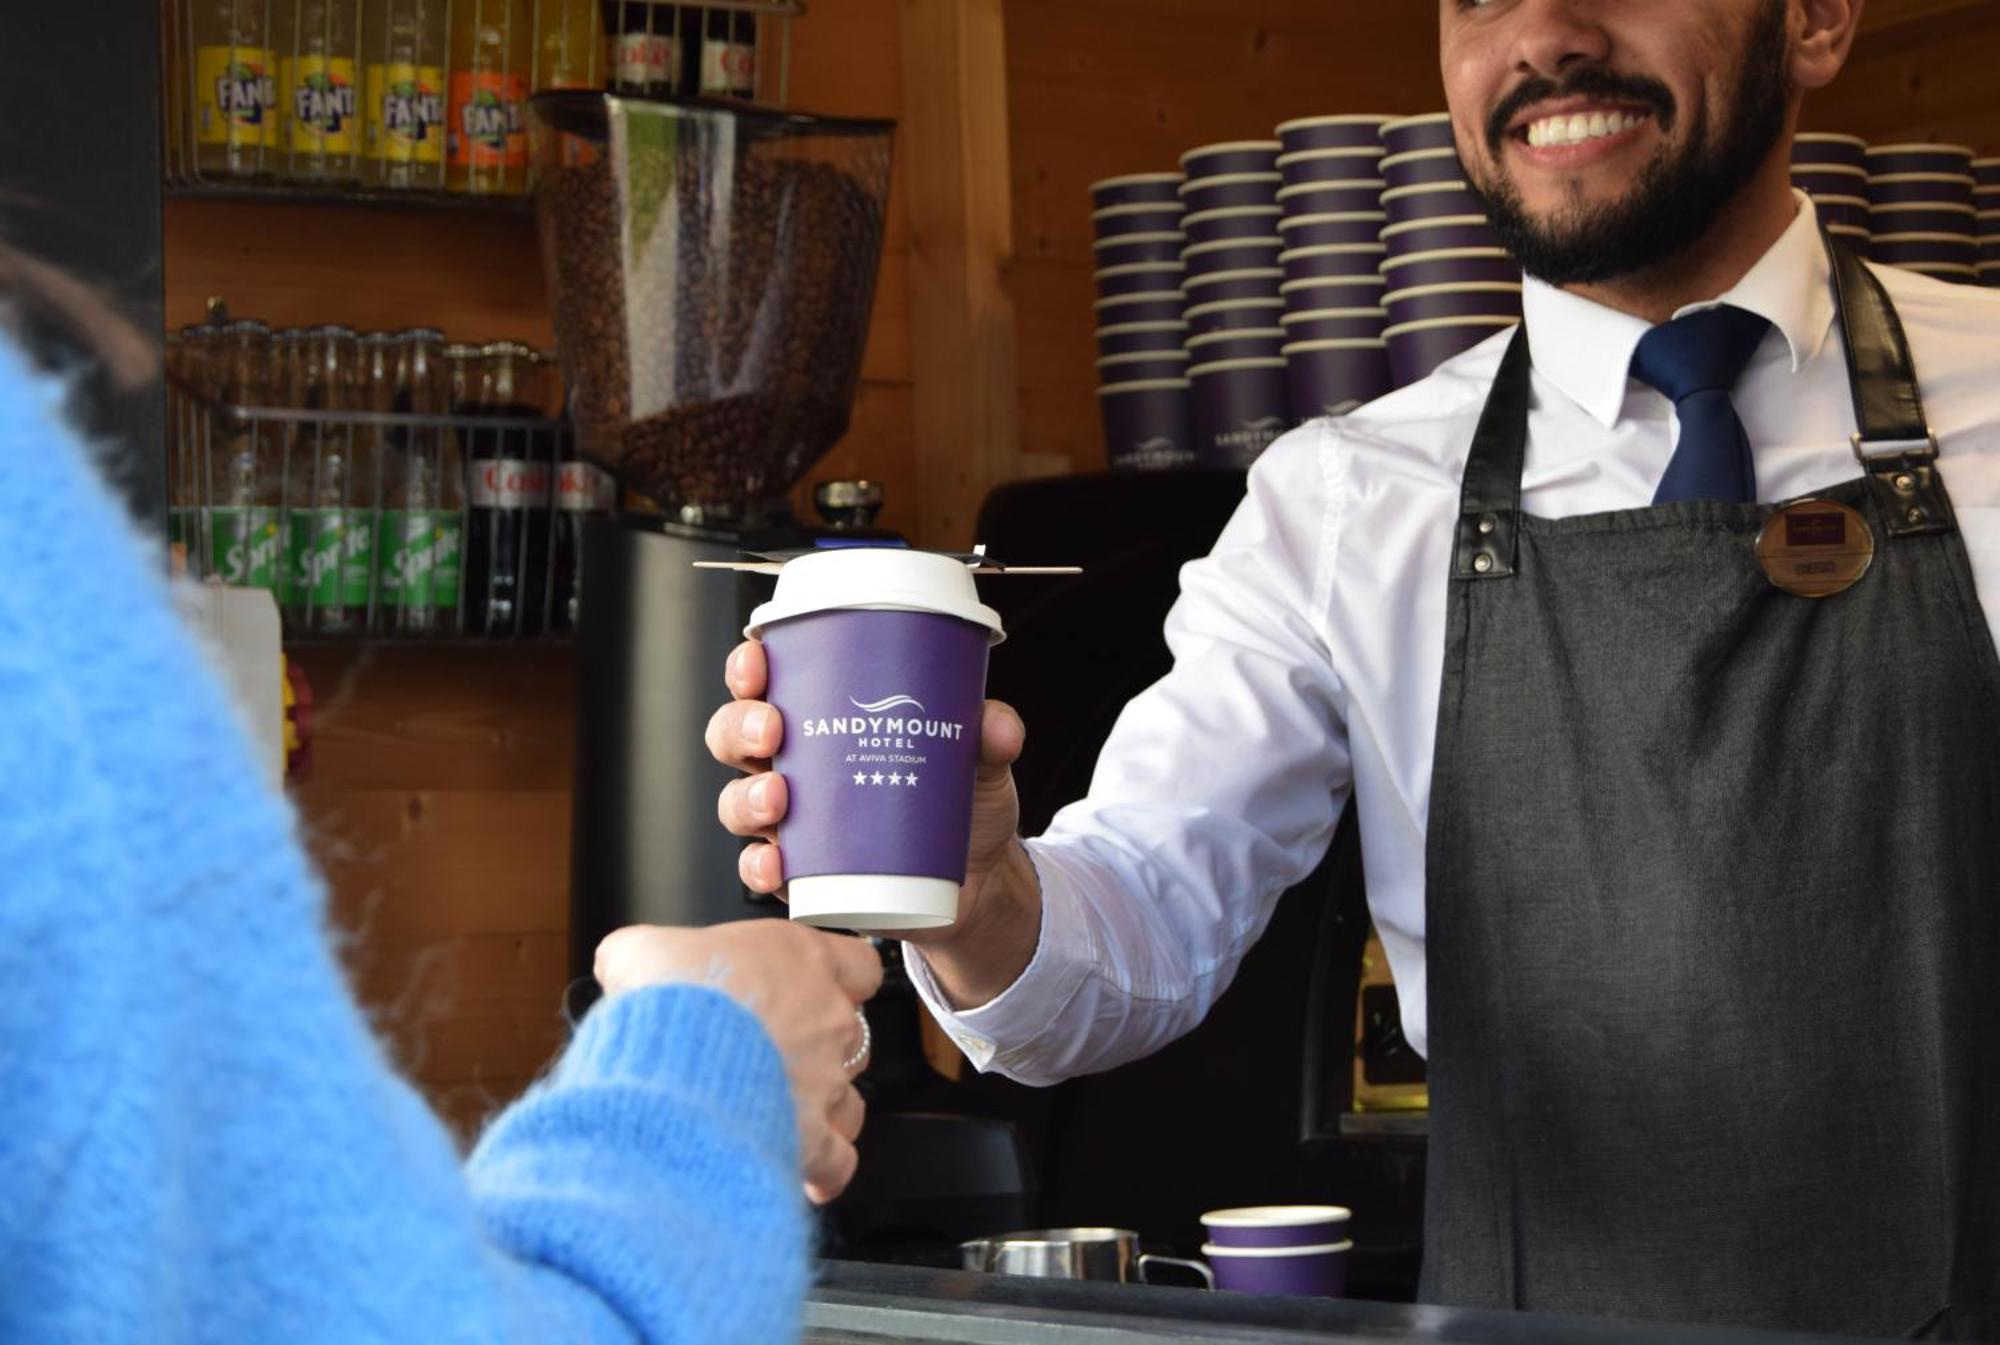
1920 70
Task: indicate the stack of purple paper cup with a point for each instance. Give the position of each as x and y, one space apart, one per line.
1920 209
1833 170
1235 368
1986 208
1142 386
1334 355
1298 1250
1449 283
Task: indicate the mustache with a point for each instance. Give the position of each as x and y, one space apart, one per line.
1587 81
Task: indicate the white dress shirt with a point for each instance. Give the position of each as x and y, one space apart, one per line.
1308 646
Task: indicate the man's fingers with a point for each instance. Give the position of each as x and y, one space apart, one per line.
828 1177
856 966
754 805
746 674
744 734
1001 737
761 868
848 1114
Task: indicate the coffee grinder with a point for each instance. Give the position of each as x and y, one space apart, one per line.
711 269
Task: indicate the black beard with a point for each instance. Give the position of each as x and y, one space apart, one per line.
1680 194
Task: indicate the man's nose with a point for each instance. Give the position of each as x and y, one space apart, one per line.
1550 36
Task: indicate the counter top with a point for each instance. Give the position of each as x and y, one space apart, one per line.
858 1304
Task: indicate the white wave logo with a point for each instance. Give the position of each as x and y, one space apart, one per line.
885 705
1157 444
1263 423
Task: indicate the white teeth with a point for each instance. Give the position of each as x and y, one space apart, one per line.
1579 127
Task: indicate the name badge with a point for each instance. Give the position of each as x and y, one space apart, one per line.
1815 548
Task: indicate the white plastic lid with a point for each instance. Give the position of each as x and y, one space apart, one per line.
874 579
1212 1251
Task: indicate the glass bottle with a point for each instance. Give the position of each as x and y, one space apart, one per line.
644 41
727 54
491 63
329 531
421 533
569 45
508 491
235 94
403 48
319 47
241 532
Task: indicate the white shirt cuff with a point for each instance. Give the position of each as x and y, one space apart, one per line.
998 1033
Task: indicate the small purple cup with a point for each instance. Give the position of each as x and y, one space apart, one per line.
1986 173
1306 296
1918 219
1849 210
1230 189
1137 278
1989 251
1153 306
1142 366
1229 315
1950 273
1422 165
1146 425
1232 156
1953 159
1146 217
1294 1272
1493 300
1331 261
882 711
1831 180
1130 338
1333 324
1449 266
1923 249
1920 188
1332 377
1856 239
1236 221
1331 198
1432 130
1430 200
1986 209
1827 147
1329 165
1133 188
1446 231
1988 274
1277 1226
1242 343
1352 226
1348 130
1231 254
1416 348
1255 282
1239 407
1124 249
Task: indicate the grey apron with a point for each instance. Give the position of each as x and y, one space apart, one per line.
1713 880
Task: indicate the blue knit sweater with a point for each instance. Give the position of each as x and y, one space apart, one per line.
200 1140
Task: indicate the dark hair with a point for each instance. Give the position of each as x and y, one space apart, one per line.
38 299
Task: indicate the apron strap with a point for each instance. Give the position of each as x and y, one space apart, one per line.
1893 441
1489 497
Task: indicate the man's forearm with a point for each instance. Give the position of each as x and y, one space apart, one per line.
994 945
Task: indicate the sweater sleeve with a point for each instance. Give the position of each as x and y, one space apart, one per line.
204 1140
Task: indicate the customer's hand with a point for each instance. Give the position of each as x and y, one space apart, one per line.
804 986
746 734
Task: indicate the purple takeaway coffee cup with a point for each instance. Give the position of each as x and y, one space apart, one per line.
1416 348
1447 231
1231 221
1422 165
1145 217
1146 425
1329 165
1830 180
1923 249
1986 206
1989 275
1430 200
1306 296
878 667
1152 306
1450 266
1491 299
1124 249
1989 251
1228 315
1432 130
1255 282
1230 190
1920 219
1919 188
1239 407
1231 254
1334 324
1331 198
1350 226
1242 343
1817 147
1855 240
1331 261
1345 130
1332 377
1851 210
1296 1272
1986 173
1953 159
1142 366
1129 338
1277 1226
1135 187
1137 278
1232 156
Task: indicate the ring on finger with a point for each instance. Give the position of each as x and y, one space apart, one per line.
854 1062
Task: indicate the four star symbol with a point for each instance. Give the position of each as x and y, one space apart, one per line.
896 778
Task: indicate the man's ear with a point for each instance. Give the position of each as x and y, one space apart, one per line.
1825 34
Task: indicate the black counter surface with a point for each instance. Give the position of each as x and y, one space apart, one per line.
859 1304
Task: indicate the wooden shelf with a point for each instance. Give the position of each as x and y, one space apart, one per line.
297 194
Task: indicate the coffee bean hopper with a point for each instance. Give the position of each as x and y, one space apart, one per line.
711 269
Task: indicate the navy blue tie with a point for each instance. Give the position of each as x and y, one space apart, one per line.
1695 360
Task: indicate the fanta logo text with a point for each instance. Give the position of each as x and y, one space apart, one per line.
489 121
322 104
244 93
410 112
